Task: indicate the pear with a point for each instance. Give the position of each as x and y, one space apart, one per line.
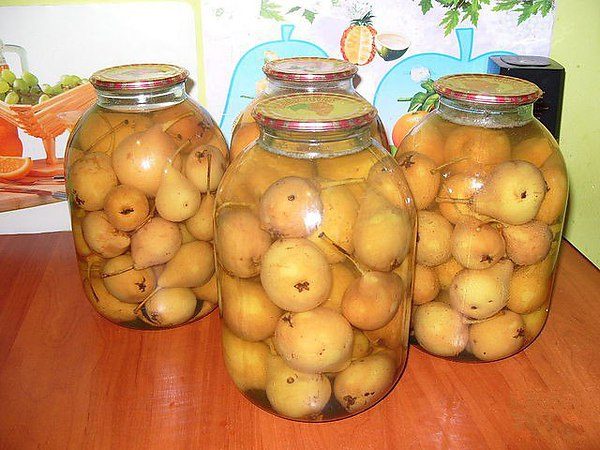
246 361
530 286
155 242
81 246
140 159
246 309
169 307
339 213
177 199
434 234
372 300
477 245
458 187
387 180
513 194
482 146
124 282
499 337
341 277
186 236
186 122
480 294
192 265
393 335
426 285
447 271
197 166
536 150
240 242
126 207
89 180
208 291
382 234
422 177
102 237
105 303
103 130
201 224
552 208
534 322
428 141
439 329
529 243
361 346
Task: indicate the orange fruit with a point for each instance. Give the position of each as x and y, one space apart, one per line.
406 123
14 167
246 134
10 144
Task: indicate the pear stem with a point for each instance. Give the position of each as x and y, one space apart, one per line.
169 124
116 272
208 167
109 133
143 302
466 201
146 220
449 163
343 251
335 183
181 147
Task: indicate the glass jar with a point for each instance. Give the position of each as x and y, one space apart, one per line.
315 234
300 74
142 169
490 186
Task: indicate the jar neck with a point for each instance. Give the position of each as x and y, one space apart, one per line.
309 145
275 87
147 100
483 115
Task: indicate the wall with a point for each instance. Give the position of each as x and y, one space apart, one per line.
576 45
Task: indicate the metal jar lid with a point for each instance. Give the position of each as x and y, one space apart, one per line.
138 77
314 112
487 89
309 69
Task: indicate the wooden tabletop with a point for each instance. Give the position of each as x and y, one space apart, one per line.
72 380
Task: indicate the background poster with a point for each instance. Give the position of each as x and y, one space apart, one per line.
224 44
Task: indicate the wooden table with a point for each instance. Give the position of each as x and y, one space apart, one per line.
71 380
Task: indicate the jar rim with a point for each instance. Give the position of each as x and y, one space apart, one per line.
315 112
309 69
487 89
138 77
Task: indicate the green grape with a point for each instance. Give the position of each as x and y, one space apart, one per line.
35 90
2 97
12 98
47 89
30 79
43 98
20 85
4 87
58 89
70 81
8 76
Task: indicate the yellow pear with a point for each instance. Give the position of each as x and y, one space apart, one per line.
553 206
426 285
177 199
246 361
480 294
458 187
439 329
102 237
434 234
530 286
169 307
126 207
191 266
477 245
197 166
422 177
124 282
155 243
89 180
105 303
513 194
528 243
140 159
341 277
501 336
534 322
536 150
482 146
201 224
186 236
208 291
447 271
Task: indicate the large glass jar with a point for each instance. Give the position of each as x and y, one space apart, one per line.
315 234
300 74
490 187
142 169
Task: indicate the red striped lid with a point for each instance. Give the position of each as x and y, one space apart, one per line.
309 69
138 77
487 89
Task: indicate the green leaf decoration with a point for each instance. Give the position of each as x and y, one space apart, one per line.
425 6
449 22
309 15
270 10
294 9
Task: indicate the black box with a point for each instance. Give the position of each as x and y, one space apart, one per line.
547 74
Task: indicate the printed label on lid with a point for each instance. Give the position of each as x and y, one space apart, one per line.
134 74
488 88
309 65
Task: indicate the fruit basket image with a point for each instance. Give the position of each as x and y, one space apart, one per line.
49 119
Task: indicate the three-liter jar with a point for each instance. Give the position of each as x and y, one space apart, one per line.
299 74
142 169
314 240
490 186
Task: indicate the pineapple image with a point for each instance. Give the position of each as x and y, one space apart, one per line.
358 41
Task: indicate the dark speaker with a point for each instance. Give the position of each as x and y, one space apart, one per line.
547 74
